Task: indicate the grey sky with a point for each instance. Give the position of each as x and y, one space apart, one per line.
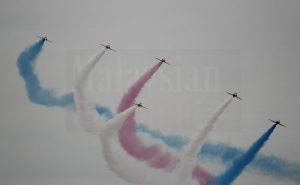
260 39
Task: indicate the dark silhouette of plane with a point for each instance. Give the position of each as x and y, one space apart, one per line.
277 122
44 38
235 95
163 60
140 105
107 46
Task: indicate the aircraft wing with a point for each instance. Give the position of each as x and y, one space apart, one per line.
157 59
239 98
49 41
112 49
281 125
272 120
229 93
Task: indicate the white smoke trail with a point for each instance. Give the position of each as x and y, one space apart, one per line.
128 169
89 120
125 166
114 159
189 156
112 126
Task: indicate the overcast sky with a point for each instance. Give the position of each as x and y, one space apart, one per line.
252 47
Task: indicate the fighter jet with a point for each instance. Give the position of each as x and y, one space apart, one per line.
163 60
277 122
235 95
44 38
140 105
107 46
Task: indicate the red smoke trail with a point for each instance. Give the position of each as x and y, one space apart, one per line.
134 146
203 177
127 134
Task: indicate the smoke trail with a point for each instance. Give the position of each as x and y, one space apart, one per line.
272 166
135 89
190 155
240 163
268 165
127 134
113 125
174 141
134 146
124 168
36 93
104 112
112 159
127 171
262 164
202 176
88 120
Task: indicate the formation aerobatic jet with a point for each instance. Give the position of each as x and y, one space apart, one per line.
44 38
163 60
140 105
235 95
107 46
277 122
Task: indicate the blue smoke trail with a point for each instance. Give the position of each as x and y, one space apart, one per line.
36 92
173 141
104 112
269 165
241 162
